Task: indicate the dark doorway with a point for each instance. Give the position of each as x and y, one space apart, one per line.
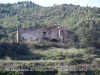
54 40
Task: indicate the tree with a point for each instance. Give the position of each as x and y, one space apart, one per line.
89 31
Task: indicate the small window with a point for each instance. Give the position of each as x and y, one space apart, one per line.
44 33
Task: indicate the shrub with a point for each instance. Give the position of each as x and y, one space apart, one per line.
79 55
90 50
76 61
93 50
89 60
75 55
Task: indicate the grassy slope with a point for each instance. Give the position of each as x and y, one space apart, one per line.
58 59
60 55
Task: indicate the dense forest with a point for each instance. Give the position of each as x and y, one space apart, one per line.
83 21
30 15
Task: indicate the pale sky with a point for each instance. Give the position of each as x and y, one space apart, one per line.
52 2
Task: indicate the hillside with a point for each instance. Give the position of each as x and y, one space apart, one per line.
82 54
48 59
28 15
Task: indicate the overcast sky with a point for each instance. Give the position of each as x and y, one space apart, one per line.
52 2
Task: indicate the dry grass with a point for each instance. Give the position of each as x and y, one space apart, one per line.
59 51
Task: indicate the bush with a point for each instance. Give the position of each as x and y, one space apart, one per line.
89 60
90 50
13 50
75 55
76 61
93 50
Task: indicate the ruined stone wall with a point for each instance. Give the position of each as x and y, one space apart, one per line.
71 36
27 34
55 34
50 33
65 36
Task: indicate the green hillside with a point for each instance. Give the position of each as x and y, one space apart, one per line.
83 52
28 15
44 59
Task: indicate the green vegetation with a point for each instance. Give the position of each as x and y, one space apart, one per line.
84 52
30 15
48 57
